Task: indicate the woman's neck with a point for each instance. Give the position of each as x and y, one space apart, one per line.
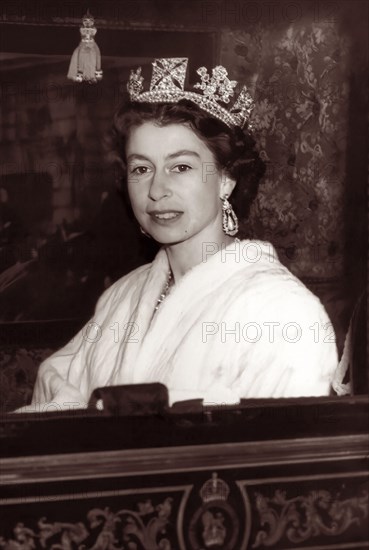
185 255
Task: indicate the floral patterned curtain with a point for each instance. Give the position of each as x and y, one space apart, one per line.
298 75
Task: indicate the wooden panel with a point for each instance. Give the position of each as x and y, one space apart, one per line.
218 479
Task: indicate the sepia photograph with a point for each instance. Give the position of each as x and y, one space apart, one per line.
184 355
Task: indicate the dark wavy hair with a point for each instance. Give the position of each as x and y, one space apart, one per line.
233 149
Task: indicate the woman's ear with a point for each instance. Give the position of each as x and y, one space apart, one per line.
227 185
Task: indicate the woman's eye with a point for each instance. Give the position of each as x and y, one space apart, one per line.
140 170
181 168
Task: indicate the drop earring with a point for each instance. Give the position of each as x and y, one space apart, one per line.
229 218
144 233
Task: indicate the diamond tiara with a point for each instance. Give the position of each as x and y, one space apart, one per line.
167 86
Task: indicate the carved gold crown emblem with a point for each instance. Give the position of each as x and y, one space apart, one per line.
167 86
214 489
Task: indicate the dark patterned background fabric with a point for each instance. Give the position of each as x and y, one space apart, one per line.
299 77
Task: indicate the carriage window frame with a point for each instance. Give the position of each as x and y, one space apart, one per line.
27 333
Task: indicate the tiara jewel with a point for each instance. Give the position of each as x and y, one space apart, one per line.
168 74
167 86
217 87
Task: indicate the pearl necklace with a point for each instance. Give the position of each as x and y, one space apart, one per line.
164 292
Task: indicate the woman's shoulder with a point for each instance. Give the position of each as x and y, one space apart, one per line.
263 257
268 278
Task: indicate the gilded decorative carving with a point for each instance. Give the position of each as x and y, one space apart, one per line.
307 516
210 517
215 523
144 529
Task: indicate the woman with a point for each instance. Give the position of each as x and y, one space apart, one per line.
212 317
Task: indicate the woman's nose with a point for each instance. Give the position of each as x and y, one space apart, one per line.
160 186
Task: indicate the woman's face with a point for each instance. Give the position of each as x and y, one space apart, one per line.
174 184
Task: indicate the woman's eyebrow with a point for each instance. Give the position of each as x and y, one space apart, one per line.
135 156
183 152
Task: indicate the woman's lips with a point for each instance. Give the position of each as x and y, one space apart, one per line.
165 217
